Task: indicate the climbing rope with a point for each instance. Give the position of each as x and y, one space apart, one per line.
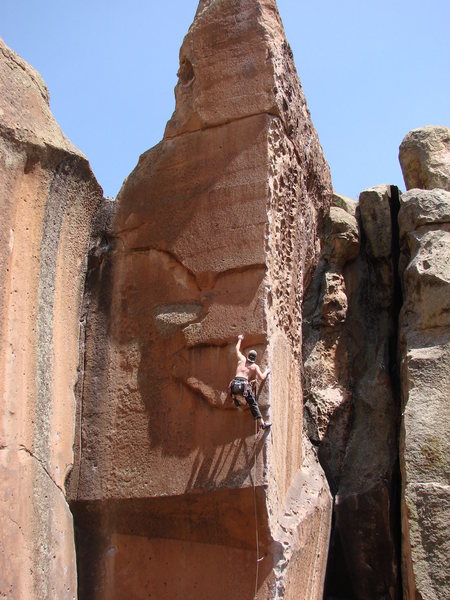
256 513
253 476
257 391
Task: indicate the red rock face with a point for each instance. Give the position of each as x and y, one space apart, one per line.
214 234
47 198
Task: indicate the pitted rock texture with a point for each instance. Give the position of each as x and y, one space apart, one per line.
214 234
425 382
233 64
425 158
351 410
47 197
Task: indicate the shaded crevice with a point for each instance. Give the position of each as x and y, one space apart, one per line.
338 579
394 369
98 271
379 538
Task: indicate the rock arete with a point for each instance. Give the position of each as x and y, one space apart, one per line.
126 470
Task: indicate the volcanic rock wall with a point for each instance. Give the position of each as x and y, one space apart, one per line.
218 231
47 197
214 234
349 348
424 221
369 366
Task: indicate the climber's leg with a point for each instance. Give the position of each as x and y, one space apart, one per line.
251 401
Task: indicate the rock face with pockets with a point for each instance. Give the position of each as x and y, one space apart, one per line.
119 322
47 198
215 233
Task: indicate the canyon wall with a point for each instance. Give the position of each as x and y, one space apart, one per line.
351 402
47 197
119 321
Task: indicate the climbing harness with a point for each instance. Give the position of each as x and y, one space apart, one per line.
239 388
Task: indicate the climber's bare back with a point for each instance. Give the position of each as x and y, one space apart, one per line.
246 369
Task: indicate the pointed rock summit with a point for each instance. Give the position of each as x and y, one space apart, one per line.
118 341
215 233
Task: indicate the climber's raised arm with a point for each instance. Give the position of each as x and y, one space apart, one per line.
239 354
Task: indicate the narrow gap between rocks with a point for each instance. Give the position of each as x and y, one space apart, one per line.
394 368
339 582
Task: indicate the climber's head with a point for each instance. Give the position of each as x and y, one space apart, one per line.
251 356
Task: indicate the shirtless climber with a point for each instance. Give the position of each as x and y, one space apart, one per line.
240 385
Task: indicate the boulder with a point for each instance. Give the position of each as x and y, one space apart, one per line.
424 221
48 195
425 158
214 233
341 241
423 207
347 204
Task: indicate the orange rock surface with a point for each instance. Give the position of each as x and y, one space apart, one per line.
117 344
47 197
214 234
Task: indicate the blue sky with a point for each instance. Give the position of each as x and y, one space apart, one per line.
371 71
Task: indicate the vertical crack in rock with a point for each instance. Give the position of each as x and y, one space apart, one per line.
394 367
351 390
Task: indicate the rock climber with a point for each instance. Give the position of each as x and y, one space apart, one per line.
240 385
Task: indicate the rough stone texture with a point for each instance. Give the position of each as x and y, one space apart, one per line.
425 380
375 210
347 204
425 158
420 207
47 197
350 407
215 233
218 231
327 399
